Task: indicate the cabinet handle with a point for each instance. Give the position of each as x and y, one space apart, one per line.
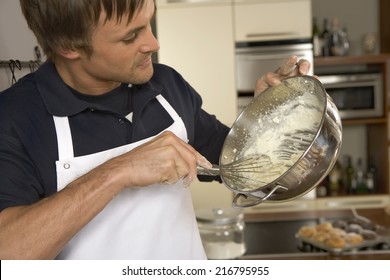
193 1
253 35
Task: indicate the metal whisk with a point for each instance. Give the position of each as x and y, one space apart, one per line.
246 173
294 144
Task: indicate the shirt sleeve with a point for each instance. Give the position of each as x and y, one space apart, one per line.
18 184
19 179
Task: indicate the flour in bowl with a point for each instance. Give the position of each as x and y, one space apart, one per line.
283 134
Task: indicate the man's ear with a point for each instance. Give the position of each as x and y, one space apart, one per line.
69 54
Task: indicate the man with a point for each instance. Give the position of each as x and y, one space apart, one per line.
97 145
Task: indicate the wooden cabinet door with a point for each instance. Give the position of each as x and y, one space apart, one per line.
384 8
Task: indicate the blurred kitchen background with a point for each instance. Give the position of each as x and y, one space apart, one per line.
222 46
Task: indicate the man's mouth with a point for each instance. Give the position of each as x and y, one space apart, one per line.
146 62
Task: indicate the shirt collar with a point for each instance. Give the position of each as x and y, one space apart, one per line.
60 101
56 95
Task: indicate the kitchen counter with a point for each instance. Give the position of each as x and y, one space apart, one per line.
376 215
272 235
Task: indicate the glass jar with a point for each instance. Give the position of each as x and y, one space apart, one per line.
339 42
222 232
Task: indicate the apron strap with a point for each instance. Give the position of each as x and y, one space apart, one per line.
167 107
64 137
175 116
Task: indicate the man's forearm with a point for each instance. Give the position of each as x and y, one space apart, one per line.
41 230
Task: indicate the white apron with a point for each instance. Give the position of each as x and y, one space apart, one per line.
154 222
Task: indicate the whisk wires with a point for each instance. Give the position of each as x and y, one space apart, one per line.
250 172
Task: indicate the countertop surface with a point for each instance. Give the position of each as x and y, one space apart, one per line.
378 216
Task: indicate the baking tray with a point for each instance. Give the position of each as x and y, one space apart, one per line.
383 237
347 248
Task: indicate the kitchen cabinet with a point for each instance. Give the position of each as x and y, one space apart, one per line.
384 21
196 38
272 20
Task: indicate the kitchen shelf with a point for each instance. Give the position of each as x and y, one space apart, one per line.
364 121
351 60
377 128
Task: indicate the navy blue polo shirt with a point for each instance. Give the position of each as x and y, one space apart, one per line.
28 143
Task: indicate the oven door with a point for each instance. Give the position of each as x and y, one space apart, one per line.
252 62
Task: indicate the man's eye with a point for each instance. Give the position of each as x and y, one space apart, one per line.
131 38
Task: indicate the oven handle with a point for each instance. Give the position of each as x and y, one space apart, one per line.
281 55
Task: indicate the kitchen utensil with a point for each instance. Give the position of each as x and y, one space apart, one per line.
243 172
359 217
383 231
251 172
293 143
296 125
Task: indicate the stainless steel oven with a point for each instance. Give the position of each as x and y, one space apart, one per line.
358 95
254 59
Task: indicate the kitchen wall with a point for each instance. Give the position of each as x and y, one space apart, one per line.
359 17
17 42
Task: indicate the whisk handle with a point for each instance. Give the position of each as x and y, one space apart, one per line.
214 171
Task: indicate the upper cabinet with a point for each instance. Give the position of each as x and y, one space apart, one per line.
266 20
196 38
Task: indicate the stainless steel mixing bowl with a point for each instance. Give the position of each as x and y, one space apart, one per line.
309 169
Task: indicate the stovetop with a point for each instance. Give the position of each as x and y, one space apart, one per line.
279 237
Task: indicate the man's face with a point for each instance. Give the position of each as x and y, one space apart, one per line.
122 52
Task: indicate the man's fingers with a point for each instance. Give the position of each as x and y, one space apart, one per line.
288 66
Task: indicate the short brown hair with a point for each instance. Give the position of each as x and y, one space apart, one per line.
69 24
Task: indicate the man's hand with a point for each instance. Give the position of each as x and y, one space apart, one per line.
163 160
290 67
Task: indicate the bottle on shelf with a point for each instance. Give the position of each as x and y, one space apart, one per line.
317 51
335 177
371 176
349 176
325 39
339 42
361 186
322 188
